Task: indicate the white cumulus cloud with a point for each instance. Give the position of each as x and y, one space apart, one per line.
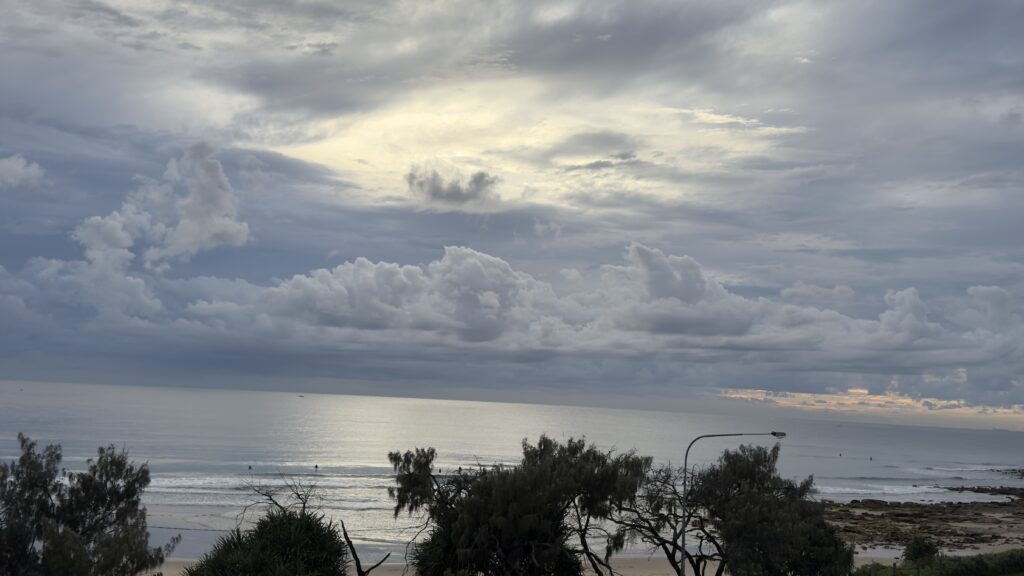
16 172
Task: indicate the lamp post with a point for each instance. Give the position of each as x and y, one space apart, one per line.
686 470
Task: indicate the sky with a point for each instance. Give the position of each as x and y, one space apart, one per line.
806 204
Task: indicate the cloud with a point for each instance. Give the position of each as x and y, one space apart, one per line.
811 295
860 402
16 172
810 194
474 305
465 298
430 185
190 210
600 143
101 284
622 159
206 214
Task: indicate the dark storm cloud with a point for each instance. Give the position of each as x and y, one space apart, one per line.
432 186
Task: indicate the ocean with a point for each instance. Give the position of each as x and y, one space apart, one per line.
205 447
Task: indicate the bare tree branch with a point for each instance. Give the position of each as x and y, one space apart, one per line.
355 555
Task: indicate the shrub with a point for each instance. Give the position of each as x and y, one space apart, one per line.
1008 563
283 543
998 564
920 550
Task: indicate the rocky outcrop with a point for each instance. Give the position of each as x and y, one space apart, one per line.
955 525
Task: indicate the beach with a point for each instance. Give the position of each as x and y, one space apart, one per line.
959 527
627 566
876 528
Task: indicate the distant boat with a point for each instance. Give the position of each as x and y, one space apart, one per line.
302 395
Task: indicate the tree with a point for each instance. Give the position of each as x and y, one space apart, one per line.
595 483
767 525
293 538
360 571
90 523
538 518
739 514
658 515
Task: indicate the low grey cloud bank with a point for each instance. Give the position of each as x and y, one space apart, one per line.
641 307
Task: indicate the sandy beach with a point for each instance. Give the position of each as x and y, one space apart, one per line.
877 529
628 566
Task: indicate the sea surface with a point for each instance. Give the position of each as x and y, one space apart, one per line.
206 447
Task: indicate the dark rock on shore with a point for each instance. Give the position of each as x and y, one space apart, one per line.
1014 472
955 525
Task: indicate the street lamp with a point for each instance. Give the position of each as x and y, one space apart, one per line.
686 469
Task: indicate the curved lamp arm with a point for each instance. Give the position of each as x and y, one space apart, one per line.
686 469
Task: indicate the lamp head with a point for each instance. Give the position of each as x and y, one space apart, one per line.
779 434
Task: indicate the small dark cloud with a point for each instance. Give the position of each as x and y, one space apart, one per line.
139 45
432 186
94 10
596 165
598 142
613 161
1012 118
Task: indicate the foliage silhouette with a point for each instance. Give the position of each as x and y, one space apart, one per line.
740 516
91 523
1006 563
541 517
920 551
768 525
283 543
293 538
657 515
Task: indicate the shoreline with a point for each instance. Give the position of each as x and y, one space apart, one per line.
877 529
957 527
627 565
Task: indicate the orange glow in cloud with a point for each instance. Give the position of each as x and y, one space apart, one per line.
860 401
